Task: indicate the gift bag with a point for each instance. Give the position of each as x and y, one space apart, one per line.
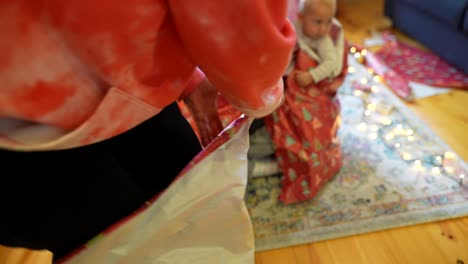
200 218
304 128
304 132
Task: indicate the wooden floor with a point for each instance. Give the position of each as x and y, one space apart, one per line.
438 243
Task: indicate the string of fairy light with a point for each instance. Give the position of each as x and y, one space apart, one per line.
396 134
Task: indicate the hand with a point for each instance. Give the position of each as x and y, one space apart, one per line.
303 78
202 103
334 86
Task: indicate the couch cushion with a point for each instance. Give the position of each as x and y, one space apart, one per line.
465 23
449 11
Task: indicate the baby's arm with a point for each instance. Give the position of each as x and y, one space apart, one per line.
327 52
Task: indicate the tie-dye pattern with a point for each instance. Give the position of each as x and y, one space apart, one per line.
77 72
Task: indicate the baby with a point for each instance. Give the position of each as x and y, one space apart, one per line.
304 129
313 27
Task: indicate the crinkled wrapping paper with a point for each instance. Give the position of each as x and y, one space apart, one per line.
200 218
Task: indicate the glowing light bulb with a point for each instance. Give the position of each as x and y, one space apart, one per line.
386 121
449 169
418 165
449 155
389 136
362 126
373 136
438 160
406 156
371 107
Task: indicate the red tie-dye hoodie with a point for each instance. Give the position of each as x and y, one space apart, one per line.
75 72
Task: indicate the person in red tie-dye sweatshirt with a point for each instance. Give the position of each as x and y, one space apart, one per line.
88 125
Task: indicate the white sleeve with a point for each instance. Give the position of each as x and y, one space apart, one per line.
327 52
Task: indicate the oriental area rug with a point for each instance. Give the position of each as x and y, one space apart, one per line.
396 172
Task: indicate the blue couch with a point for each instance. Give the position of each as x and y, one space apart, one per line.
441 25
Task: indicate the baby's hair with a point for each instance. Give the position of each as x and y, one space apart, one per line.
305 4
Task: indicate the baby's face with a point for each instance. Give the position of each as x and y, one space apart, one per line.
316 20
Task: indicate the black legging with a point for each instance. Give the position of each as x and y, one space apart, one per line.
57 200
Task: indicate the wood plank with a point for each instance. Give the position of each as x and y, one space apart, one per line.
446 115
279 256
24 256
